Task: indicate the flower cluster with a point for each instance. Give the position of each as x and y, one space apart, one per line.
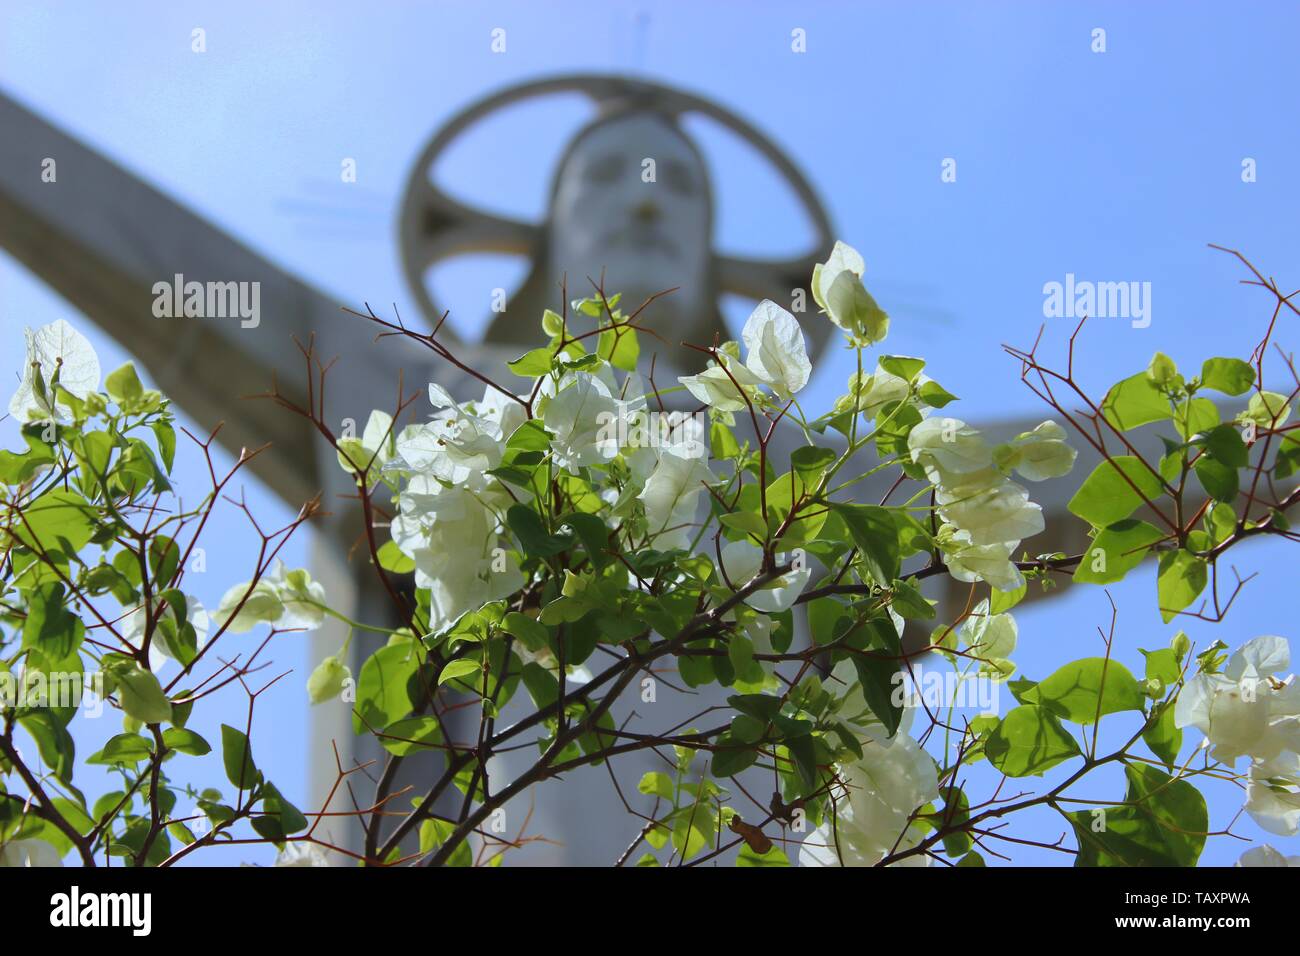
876 795
1247 711
986 514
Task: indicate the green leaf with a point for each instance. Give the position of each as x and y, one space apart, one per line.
433 833
1083 689
732 758
1219 480
165 435
1135 401
459 668
775 856
722 440
1116 551
1162 735
124 385
956 811
1223 443
1230 376
1029 741
382 695
138 690
1106 497
693 829
528 528
19 467
910 603
656 783
1181 579
392 558
185 741
1195 415
1002 601
619 347
527 631
532 364
164 557
934 394
58 521
811 461
52 740
1163 823
50 626
747 521
803 752
411 735
880 674
281 818
122 749
1162 665
237 756
904 366
761 706
875 534
530 436
594 535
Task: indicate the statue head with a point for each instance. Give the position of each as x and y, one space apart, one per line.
631 199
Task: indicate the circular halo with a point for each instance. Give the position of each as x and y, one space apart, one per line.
435 226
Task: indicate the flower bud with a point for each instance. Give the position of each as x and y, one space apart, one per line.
327 680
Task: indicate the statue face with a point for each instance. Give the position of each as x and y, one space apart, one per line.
647 236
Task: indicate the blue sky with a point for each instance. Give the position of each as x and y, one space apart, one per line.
1115 166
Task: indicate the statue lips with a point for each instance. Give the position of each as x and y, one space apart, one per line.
644 237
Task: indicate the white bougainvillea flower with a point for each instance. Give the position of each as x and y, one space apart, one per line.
844 684
837 288
57 346
262 606
373 449
717 387
1267 410
1039 454
1266 856
950 445
283 598
458 445
133 625
1245 711
301 853
29 853
671 497
997 514
327 680
967 562
777 352
742 560
990 638
1273 794
880 793
453 536
873 392
300 596
579 416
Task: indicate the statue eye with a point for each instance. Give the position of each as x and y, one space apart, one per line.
606 169
680 178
